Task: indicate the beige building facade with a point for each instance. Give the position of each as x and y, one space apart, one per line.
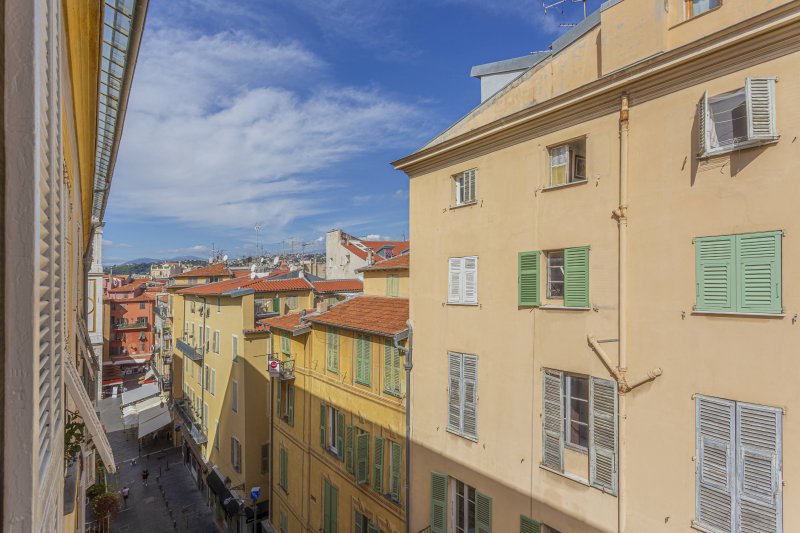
604 334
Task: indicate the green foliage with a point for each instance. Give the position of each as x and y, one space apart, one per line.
74 435
96 490
106 505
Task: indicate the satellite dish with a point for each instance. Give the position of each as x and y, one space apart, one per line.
225 257
262 259
276 260
252 268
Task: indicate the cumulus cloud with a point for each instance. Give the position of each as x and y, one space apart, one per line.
376 237
213 141
111 244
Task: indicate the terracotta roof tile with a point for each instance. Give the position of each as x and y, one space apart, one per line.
338 285
258 285
132 286
385 316
398 262
217 269
287 322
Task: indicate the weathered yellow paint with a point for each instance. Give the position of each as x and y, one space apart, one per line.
375 282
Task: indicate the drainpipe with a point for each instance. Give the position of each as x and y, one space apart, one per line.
622 225
409 364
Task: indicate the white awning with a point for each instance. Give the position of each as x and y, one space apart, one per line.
132 413
81 399
139 394
153 419
87 351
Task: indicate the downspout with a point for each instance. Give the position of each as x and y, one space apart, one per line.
409 364
622 322
271 429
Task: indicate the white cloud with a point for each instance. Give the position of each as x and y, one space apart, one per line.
197 249
211 144
376 237
111 244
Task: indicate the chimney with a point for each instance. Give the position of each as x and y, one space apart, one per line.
322 307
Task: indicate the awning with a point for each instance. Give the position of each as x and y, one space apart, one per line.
226 499
86 343
153 419
139 394
111 382
79 396
134 359
149 375
261 511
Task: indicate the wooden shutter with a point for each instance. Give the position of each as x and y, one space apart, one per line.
454 394
284 464
759 465
528 285
395 475
470 281
377 465
760 94
758 262
483 513
359 527
715 276
470 412
264 451
323 437
455 267
603 434
392 369
438 503
290 404
362 359
285 344
529 525
704 125
553 420
340 435
333 350
326 507
362 458
284 522
576 277
279 388
373 528
714 475
348 449
334 509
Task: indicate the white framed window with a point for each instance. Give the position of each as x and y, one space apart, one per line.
462 287
291 302
334 431
219 304
576 411
205 417
236 454
568 163
215 346
698 7
234 396
555 274
463 395
216 435
465 183
234 348
737 119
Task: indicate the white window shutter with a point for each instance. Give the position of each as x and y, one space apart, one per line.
704 123
454 280
460 189
760 93
553 420
714 476
470 412
759 464
603 434
470 280
454 392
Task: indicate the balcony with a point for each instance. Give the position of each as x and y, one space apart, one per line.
195 430
188 351
278 367
132 326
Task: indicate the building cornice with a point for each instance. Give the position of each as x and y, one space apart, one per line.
771 34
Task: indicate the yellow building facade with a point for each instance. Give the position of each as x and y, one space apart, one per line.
607 320
338 412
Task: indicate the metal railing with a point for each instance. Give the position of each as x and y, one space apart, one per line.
132 325
188 351
194 427
285 369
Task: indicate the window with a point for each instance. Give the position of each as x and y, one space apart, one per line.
576 411
284 470
392 285
463 280
568 163
285 402
737 119
265 458
697 7
284 522
219 304
291 302
332 340
362 456
207 339
113 307
234 396
739 273
286 346
739 465
567 277
236 454
463 395
392 370
560 391
330 508
377 464
395 470
191 307
363 525
471 509
205 417
141 305
331 426
363 366
465 187
200 375
216 435
529 525
216 342
234 348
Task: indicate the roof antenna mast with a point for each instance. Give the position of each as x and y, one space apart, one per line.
558 4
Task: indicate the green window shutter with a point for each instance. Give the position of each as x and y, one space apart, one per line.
758 258
529 525
280 399
334 514
284 522
284 474
290 402
340 435
576 277
333 350
387 365
392 369
438 503
359 523
528 287
394 481
276 305
286 344
362 458
373 528
322 424
715 273
377 465
362 359
483 513
326 507
348 449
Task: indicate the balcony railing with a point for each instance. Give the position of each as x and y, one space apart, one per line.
188 351
195 430
130 326
279 367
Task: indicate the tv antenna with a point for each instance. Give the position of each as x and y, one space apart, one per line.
559 4
258 229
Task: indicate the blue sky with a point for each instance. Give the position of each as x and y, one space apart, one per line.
287 113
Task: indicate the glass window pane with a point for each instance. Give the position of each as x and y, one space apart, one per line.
579 387
729 118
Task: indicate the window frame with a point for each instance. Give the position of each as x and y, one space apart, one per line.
234 396
567 378
362 339
462 396
236 454
331 353
688 8
462 281
459 180
465 510
571 163
333 431
548 255
234 348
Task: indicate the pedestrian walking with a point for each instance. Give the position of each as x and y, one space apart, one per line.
125 491
145 473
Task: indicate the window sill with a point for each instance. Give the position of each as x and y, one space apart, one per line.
739 314
459 206
695 17
565 185
753 143
564 308
577 449
459 304
567 475
393 394
458 434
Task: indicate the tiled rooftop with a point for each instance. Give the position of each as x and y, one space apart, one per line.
398 262
339 285
385 316
217 269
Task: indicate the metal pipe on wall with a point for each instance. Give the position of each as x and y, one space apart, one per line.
622 322
409 364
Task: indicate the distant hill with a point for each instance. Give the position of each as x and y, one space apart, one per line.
187 258
142 261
